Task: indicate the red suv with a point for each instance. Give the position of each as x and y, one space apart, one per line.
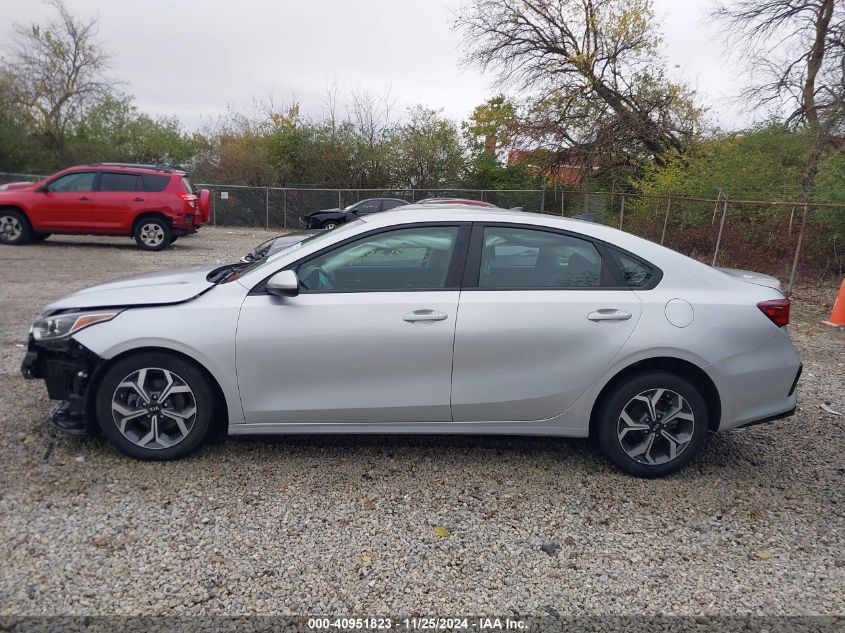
153 204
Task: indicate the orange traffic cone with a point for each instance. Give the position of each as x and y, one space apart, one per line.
837 317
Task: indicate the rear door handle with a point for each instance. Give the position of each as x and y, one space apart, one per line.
85 198
137 199
609 314
424 315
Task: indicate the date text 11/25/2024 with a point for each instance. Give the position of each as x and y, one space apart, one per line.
418 624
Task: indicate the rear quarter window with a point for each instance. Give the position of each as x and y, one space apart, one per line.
189 186
154 183
635 272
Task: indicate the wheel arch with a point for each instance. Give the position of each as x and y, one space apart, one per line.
692 372
158 215
19 209
220 420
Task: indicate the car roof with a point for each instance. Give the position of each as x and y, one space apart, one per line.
133 167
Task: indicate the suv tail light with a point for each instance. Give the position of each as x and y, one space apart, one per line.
777 310
190 198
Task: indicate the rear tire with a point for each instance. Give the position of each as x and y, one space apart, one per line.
14 227
652 424
155 406
173 238
331 224
152 234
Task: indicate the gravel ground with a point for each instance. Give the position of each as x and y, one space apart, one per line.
349 525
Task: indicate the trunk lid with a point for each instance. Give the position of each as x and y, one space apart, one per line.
752 277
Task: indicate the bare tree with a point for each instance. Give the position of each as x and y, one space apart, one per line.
55 73
796 55
592 69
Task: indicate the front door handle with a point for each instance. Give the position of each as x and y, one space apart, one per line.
424 315
137 199
609 314
85 198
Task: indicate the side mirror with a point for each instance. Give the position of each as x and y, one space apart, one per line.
284 283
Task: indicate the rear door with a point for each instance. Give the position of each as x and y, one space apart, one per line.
541 314
64 205
120 196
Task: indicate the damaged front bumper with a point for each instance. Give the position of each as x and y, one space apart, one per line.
67 368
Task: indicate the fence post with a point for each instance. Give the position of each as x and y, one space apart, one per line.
622 212
213 208
482 195
339 203
665 221
798 249
267 207
716 207
543 199
586 205
412 195
721 228
285 207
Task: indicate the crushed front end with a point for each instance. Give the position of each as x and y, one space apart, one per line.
66 367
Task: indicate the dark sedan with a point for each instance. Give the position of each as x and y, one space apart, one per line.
330 218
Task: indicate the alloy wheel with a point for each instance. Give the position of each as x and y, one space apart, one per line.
154 408
656 426
10 228
330 226
152 234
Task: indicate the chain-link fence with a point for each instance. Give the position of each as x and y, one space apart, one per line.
778 237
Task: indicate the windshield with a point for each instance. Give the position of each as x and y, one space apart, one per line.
310 239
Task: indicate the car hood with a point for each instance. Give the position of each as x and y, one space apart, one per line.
752 277
173 286
16 186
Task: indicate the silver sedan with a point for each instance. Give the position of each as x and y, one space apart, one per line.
444 319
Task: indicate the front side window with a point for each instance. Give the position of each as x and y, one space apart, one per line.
368 206
77 181
529 258
118 182
404 259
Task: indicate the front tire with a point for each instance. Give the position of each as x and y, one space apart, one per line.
155 406
331 224
652 424
40 237
14 227
152 234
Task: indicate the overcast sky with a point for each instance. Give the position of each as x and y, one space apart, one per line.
192 58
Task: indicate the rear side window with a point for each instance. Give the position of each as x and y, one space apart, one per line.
189 186
391 204
118 182
636 273
155 183
529 258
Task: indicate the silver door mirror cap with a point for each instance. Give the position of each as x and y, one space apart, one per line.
284 283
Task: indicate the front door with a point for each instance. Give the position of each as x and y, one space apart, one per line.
118 200
64 205
368 339
538 325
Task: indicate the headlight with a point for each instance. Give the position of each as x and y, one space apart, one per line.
61 325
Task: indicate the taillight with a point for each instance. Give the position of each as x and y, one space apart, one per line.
190 198
777 310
